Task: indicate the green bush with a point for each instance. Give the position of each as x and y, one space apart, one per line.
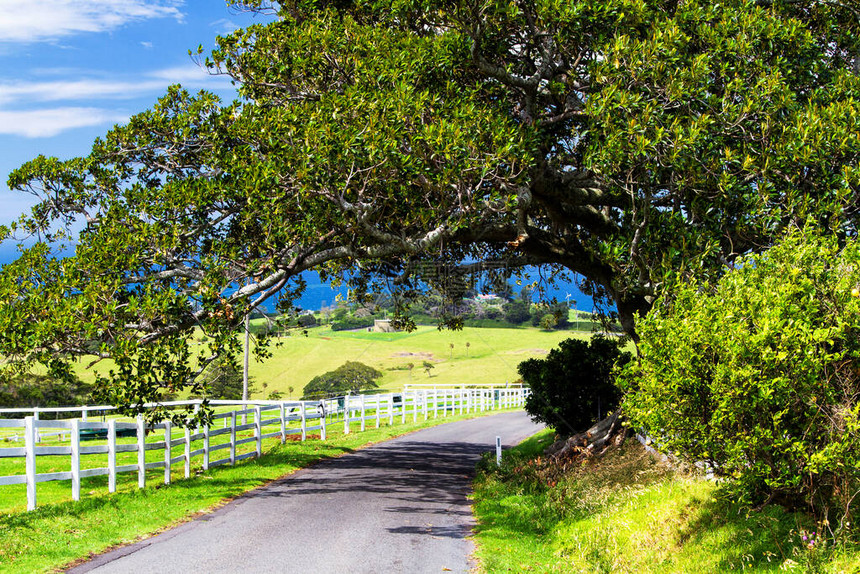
573 385
34 390
307 320
759 375
350 322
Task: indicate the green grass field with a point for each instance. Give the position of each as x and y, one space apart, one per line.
491 357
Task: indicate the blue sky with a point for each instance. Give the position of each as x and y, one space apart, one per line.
74 68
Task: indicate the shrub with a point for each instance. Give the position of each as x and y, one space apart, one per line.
350 322
307 320
759 375
574 384
35 390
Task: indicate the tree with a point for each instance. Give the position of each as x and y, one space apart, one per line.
32 390
428 366
548 322
574 385
516 312
416 142
224 381
351 377
307 320
760 376
559 310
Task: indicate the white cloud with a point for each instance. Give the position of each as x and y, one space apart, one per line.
189 75
155 82
224 26
41 20
50 122
147 45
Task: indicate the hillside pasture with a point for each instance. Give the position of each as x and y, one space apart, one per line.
491 357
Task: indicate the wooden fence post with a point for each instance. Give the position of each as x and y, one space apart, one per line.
346 414
187 452
30 460
76 459
168 436
141 452
390 409
206 447
304 421
258 429
36 427
378 409
232 437
112 455
283 411
363 411
323 421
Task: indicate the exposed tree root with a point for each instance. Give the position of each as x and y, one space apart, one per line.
595 441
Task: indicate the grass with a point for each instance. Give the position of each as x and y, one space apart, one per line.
629 513
491 357
60 531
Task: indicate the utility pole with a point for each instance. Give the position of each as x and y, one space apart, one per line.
245 367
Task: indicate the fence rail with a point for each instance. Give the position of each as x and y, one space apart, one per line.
249 423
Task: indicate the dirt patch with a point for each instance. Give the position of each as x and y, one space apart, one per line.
298 437
529 352
422 355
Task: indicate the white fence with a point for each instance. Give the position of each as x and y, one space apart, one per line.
228 431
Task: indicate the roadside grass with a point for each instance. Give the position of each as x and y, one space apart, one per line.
629 513
60 531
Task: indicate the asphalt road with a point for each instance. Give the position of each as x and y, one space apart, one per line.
399 506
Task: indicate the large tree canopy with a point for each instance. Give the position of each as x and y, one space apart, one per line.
626 141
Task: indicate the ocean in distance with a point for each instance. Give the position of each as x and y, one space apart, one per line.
320 294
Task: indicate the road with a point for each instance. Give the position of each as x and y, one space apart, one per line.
399 506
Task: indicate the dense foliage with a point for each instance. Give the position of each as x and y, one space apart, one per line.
225 381
28 390
351 322
573 387
412 142
351 377
760 376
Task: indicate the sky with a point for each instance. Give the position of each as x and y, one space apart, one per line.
74 68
